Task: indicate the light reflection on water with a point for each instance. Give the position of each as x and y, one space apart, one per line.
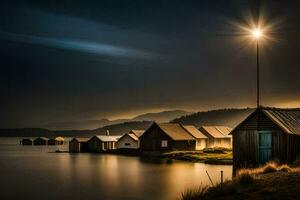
34 173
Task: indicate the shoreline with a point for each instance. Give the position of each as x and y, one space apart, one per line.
271 181
216 156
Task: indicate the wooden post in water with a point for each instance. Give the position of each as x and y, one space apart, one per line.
209 178
221 178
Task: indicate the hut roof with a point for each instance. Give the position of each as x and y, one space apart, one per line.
59 139
195 132
176 131
138 133
133 136
81 139
216 131
288 119
108 138
41 138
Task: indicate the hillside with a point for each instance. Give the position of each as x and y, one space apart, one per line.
25 132
164 116
226 117
114 129
120 129
81 125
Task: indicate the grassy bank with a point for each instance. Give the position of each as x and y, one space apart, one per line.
271 181
210 156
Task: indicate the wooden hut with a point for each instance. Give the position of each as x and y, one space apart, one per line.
77 145
130 140
40 141
167 137
99 143
218 136
26 141
56 141
199 137
267 134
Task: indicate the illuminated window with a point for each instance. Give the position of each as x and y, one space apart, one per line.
164 143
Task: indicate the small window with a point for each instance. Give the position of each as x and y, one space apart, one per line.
164 143
127 144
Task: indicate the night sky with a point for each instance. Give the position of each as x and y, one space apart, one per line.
78 60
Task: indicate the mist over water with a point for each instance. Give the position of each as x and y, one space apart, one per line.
31 172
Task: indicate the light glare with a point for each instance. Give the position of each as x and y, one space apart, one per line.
256 33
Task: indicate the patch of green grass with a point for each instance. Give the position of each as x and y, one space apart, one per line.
200 156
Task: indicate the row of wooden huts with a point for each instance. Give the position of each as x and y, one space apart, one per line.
43 141
158 137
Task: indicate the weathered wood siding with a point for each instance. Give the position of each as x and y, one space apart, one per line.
40 141
74 146
126 142
219 142
285 147
95 145
152 139
200 144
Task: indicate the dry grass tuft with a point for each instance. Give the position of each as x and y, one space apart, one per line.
195 193
244 177
270 167
284 168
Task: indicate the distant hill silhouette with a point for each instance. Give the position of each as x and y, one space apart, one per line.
80 125
164 116
122 128
225 117
25 132
114 129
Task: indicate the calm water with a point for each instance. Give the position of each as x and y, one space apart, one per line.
32 172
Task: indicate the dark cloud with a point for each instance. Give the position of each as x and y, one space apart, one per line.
73 60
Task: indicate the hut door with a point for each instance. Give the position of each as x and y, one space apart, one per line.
265 146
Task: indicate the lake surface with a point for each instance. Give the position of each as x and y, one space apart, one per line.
31 172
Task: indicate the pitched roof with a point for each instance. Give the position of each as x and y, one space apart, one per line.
195 132
108 138
43 138
59 139
216 131
133 136
138 133
288 119
175 131
81 139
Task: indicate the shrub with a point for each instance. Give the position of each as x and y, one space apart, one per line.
215 150
244 177
284 168
270 167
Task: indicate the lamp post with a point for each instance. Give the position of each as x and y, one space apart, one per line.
256 33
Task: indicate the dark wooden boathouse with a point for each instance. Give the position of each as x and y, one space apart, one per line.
167 137
40 141
26 141
56 141
77 145
267 134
